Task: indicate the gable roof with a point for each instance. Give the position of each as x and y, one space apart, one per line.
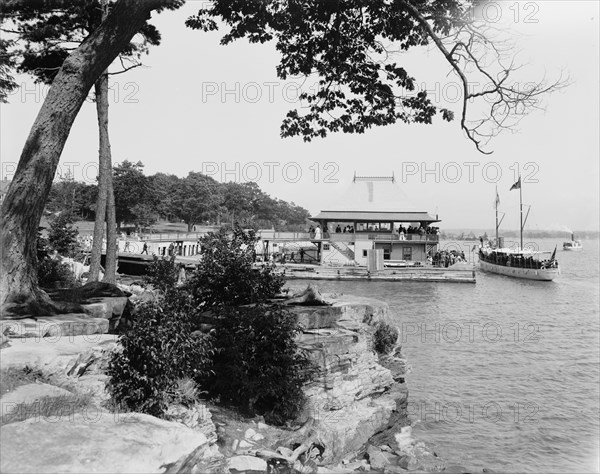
372 198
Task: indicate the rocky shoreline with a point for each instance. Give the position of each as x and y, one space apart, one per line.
354 419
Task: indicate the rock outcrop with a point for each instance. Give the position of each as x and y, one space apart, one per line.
358 393
358 398
95 441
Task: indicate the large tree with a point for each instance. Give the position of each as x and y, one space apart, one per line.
134 197
24 202
47 32
197 199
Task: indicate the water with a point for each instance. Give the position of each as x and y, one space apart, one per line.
505 373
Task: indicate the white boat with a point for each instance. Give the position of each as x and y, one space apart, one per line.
528 264
520 262
573 244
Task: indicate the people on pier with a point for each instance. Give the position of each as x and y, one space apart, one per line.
338 229
318 233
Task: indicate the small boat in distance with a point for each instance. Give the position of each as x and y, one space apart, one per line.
520 262
573 244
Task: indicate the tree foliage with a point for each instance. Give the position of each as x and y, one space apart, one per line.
134 198
225 275
258 366
196 199
48 31
351 46
74 197
62 235
158 350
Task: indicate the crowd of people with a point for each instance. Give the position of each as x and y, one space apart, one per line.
517 261
401 230
347 229
445 258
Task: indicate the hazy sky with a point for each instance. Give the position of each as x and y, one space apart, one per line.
217 109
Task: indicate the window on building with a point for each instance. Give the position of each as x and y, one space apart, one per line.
365 253
387 253
325 246
407 253
385 226
361 226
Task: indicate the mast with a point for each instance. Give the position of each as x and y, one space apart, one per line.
521 208
497 241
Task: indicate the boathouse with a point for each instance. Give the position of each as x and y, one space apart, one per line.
374 213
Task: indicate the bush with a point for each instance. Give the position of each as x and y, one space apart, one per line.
62 235
159 350
162 273
51 272
258 365
55 274
225 276
385 338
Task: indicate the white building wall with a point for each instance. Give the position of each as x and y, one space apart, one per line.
360 247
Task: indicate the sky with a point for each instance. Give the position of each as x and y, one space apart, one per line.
200 106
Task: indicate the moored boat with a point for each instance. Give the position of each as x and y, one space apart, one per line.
527 264
520 262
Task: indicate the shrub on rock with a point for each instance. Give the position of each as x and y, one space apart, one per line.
225 275
258 366
162 273
385 338
158 350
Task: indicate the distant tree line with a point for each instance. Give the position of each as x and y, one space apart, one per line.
197 199
529 234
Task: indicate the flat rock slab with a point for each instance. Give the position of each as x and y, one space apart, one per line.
345 311
106 307
53 353
31 393
95 442
246 464
61 325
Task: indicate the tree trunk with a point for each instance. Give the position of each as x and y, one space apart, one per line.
24 203
110 275
101 89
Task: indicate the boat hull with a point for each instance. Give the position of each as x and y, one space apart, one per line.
547 274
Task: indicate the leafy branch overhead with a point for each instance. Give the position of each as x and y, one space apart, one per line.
48 32
350 47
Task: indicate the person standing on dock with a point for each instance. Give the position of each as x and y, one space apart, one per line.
318 233
301 255
145 248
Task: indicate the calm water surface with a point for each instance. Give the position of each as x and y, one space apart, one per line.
505 373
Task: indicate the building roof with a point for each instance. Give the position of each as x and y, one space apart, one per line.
374 198
375 216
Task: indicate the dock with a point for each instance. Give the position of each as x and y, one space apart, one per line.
459 273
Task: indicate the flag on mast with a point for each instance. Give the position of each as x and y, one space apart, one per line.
553 254
497 198
517 185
